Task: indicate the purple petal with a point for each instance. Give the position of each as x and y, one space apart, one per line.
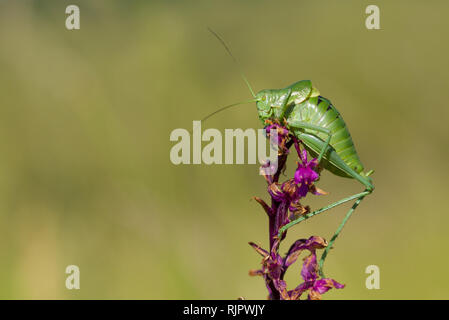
256 272
302 190
294 252
262 252
309 271
296 293
324 285
312 175
311 244
275 191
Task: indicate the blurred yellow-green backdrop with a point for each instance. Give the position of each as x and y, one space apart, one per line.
85 119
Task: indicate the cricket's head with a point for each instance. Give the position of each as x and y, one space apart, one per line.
270 102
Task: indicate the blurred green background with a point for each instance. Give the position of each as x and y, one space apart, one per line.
85 119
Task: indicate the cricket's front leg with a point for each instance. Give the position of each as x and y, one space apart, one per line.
283 106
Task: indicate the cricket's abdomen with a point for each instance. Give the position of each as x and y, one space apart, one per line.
319 111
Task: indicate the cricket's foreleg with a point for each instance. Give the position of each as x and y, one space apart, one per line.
334 237
304 125
284 101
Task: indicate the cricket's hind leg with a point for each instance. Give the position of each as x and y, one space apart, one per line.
336 234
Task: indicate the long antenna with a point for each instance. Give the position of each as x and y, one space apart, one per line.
226 107
235 60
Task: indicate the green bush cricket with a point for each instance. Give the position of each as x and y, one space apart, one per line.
318 124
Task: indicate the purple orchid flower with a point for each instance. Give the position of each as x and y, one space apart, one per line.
274 268
304 174
309 271
315 286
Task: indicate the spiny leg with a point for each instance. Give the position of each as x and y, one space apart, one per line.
334 237
304 125
316 212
